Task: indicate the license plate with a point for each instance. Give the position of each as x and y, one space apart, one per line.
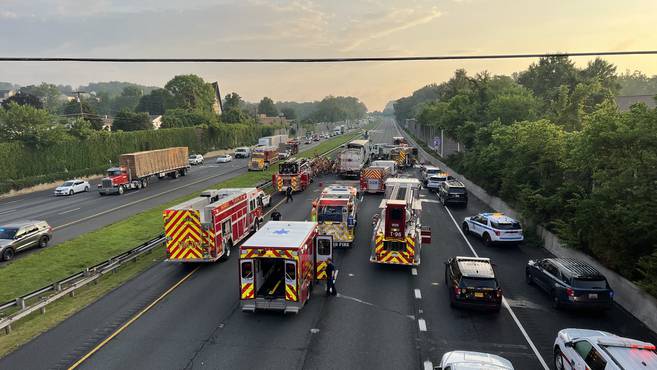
479 295
593 296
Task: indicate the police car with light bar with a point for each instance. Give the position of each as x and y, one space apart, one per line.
598 350
493 228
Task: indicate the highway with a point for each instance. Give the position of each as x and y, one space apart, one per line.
384 316
73 215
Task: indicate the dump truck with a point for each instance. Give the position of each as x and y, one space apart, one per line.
262 157
279 265
135 170
353 158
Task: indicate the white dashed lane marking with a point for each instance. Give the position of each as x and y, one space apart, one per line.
418 294
414 271
422 324
428 365
504 301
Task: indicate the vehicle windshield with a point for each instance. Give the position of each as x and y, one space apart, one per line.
238 150
68 183
193 156
437 178
258 155
330 214
113 173
590 284
505 225
457 191
8 232
288 168
470 282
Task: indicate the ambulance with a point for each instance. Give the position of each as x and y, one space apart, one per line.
279 265
335 210
372 179
204 229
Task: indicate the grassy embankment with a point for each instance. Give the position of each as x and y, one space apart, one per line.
36 270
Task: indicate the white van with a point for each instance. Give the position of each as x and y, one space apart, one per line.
242 152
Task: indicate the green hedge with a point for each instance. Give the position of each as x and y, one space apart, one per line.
24 166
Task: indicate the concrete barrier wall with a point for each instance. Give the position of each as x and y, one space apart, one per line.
629 296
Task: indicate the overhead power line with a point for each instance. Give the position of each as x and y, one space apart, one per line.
323 60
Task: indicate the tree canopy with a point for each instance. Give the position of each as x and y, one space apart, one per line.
267 107
130 121
191 92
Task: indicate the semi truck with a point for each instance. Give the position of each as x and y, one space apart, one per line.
135 170
275 140
279 265
204 228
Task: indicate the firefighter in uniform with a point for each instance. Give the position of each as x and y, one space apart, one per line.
288 194
330 278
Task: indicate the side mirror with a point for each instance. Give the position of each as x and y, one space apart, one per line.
569 344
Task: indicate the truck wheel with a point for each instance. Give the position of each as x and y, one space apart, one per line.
121 190
138 185
183 172
8 254
144 183
175 174
226 255
101 194
487 241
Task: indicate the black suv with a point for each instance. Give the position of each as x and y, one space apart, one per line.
570 283
471 282
452 192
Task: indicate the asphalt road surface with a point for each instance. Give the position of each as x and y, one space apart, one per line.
384 317
77 214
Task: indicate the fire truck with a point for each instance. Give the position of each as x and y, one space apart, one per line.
335 210
398 234
372 179
280 263
295 173
399 140
262 157
403 155
203 229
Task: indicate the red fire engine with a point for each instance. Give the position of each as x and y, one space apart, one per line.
204 229
295 173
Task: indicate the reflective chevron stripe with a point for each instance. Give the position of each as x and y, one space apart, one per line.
247 291
269 253
321 270
279 183
290 292
339 231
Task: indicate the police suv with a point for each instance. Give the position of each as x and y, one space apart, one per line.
598 350
493 228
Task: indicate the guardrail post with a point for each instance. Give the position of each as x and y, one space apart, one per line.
87 272
72 293
20 302
57 287
43 310
8 329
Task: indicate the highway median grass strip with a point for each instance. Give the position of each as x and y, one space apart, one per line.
55 263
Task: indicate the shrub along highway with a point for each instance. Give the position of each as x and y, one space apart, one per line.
180 316
77 214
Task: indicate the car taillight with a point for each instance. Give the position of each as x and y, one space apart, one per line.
498 293
570 292
457 290
497 233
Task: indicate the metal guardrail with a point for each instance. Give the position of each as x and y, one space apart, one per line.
67 286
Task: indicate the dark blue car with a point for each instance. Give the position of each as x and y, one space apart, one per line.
570 283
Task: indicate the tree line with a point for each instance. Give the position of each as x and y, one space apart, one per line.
551 141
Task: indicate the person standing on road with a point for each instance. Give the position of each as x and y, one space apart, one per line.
276 216
330 278
288 194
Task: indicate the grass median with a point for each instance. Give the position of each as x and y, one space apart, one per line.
52 264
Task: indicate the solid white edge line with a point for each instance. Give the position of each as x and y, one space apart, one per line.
422 324
428 365
504 302
418 294
69 211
